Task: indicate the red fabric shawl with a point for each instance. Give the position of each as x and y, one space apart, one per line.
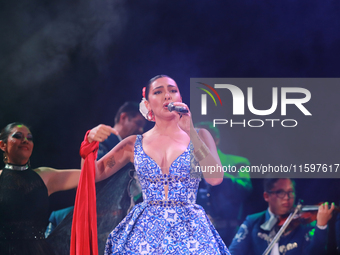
84 226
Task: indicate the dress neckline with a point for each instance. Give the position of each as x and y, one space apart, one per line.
160 169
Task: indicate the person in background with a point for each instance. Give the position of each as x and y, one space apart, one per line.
116 194
56 217
257 231
24 194
225 202
337 232
128 121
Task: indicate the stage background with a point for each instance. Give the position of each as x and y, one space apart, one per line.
66 66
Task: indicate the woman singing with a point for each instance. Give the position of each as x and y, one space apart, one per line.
168 221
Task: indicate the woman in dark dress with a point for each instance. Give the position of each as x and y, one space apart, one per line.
24 194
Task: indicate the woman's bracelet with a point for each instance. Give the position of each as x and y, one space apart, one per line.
202 152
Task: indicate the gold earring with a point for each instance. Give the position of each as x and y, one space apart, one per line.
5 159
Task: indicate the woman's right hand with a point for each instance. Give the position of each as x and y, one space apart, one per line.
100 133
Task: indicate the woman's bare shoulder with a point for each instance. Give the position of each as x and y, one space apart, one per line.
149 133
204 134
44 170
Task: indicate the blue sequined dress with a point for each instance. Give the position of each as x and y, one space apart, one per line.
159 226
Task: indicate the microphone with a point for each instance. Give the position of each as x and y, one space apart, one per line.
179 109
